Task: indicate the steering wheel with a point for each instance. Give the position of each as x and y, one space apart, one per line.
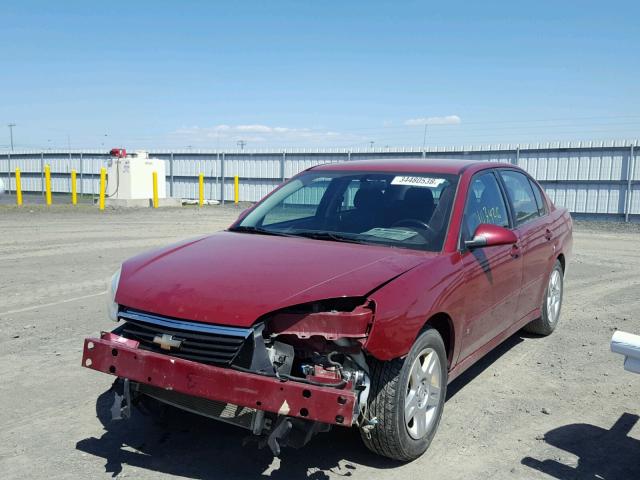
414 223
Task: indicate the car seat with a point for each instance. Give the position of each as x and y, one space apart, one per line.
418 204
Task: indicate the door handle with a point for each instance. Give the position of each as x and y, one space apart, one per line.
548 234
515 250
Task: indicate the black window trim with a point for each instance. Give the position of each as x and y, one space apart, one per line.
511 207
447 230
505 199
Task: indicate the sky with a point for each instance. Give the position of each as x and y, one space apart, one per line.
276 74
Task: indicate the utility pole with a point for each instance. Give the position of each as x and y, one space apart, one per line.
424 138
241 144
11 125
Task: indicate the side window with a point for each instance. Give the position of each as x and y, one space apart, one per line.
521 196
302 203
348 199
485 204
542 208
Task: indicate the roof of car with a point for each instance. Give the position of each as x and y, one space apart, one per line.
410 165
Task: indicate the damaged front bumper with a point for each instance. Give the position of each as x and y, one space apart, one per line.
123 358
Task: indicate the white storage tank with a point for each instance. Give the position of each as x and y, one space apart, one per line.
131 177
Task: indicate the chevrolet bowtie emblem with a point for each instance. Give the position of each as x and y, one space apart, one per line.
167 342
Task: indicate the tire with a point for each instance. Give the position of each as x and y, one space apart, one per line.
551 304
392 384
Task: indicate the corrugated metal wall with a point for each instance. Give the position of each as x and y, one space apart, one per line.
587 177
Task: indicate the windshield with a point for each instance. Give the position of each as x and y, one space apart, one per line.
379 208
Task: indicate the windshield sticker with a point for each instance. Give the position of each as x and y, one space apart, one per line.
390 233
429 182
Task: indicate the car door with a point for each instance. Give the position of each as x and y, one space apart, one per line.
492 275
532 225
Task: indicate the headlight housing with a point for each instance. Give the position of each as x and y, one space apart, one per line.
333 319
112 306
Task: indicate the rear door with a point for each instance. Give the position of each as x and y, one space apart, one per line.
492 275
532 225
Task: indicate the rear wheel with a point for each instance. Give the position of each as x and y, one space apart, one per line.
551 304
407 397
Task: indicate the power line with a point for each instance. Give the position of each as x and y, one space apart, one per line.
495 122
515 128
505 130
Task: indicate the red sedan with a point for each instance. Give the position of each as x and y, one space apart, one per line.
351 295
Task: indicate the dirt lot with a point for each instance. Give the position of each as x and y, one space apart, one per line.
558 407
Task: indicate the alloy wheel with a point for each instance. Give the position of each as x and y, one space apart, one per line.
423 394
554 296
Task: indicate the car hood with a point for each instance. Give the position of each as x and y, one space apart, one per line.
234 278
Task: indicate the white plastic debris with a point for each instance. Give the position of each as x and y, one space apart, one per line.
628 345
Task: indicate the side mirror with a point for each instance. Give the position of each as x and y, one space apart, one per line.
488 235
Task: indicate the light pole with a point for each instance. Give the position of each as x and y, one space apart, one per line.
241 144
11 125
424 138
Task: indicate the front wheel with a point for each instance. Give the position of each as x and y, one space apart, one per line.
407 398
551 304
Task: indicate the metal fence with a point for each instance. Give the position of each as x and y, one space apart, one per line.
593 178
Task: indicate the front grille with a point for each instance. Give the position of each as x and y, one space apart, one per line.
201 342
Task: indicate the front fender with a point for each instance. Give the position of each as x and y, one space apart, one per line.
404 305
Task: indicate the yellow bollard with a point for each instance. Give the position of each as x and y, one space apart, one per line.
18 188
155 189
236 189
103 181
47 184
201 190
74 192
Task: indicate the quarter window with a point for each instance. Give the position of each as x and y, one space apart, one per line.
542 209
485 204
521 196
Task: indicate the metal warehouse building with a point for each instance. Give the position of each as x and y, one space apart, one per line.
591 178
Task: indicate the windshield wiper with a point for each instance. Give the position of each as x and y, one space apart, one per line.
331 236
316 235
258 230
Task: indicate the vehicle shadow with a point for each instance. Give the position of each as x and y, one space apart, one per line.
485 362
602 454
195 447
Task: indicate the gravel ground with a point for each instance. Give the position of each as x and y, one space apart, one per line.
557 407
